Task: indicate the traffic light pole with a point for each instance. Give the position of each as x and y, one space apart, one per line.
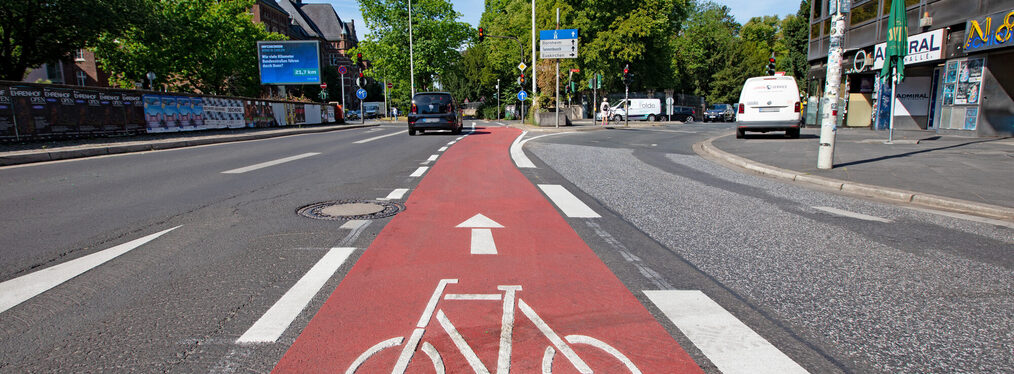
557 75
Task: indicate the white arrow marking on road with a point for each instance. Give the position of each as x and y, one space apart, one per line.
17 290
482 235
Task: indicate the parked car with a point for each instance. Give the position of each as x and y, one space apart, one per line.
351 114
719 112
640 110
684 114
434 111
769 103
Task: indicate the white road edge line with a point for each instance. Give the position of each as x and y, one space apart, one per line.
518 153
419 172
567 202
20 289
367 140
965 217
269 163
845 213
397 194
729 343
273 323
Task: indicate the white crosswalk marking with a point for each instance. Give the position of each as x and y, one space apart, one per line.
17 290
567 202
729 343
274 322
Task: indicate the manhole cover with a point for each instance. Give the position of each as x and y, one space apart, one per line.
350 209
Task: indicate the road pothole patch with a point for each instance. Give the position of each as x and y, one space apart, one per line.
341 210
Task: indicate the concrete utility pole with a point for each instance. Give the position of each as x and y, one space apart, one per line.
829 114
498 99
557 75
411 58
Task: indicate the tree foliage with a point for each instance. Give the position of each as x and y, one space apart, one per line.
190 45
34 32
437 37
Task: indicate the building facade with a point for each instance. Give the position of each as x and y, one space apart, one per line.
320 22
957 73
78 69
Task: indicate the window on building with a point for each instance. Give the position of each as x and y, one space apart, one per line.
79 55
815 30
863 13
818 11
334 59
82 78
908 4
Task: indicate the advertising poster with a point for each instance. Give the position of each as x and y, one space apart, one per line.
7 129
234 114
133 107
913 97
197 113
883 107
62 114
278 109
153 114
214 113
313 114
89 111
290 114
949 94
30 110
300 114
289 62
171 113
258 114
952 72
961 95
971 115
113 116
330 114
183 110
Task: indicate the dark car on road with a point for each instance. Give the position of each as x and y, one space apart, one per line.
719 112
434 111
684 114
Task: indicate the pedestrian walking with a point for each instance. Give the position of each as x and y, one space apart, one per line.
604 109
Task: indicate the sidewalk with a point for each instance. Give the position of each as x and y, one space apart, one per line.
41 151
964 174
582 125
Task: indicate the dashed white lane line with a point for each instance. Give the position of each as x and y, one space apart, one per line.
270 163
354 224
845 213
17 290
567 202
367 140
729 343
419 172
966 217
431 159
397 194
444 148
274 322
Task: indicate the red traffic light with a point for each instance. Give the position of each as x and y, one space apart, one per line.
771 60
359 56
481 32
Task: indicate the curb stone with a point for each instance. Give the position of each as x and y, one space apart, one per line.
102 150
707 149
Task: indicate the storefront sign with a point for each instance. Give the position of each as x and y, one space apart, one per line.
992 31
913 97
924 47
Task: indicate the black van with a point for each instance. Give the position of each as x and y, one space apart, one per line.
434 111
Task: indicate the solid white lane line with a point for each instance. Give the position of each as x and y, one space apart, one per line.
269 163
966 217
419 172
353 224
518 153
567 202
17 290
729 343
397 194
444 148
274 322
377 137
482 242
845 213
431 159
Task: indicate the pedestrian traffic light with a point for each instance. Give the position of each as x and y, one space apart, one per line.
626 75
482 35
771 64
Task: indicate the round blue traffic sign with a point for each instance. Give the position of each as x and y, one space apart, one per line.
361 93
522 95
342 70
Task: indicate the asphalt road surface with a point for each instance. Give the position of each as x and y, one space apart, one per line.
620 250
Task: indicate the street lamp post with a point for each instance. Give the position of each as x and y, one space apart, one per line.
411 57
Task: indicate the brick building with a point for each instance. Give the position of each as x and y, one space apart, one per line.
79 69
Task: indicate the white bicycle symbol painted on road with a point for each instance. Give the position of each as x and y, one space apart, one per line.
509 296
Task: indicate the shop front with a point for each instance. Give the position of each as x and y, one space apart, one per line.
918 93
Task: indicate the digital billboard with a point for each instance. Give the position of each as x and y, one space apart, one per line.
289 62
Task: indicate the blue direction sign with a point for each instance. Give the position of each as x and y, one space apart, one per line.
361 94
557 34
522 95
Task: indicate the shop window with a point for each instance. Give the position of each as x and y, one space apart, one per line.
864 13
82 78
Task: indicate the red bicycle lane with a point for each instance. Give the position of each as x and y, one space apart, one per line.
543 282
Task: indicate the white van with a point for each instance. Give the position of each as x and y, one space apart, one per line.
640 109
769 103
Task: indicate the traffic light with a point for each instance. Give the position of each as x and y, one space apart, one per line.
359 62
361 80
521 79
771 64
482 35
626 75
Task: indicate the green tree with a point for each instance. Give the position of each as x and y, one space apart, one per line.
796 30
703 48
190 45
437 38
34 32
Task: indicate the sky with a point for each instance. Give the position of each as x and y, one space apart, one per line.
471 10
